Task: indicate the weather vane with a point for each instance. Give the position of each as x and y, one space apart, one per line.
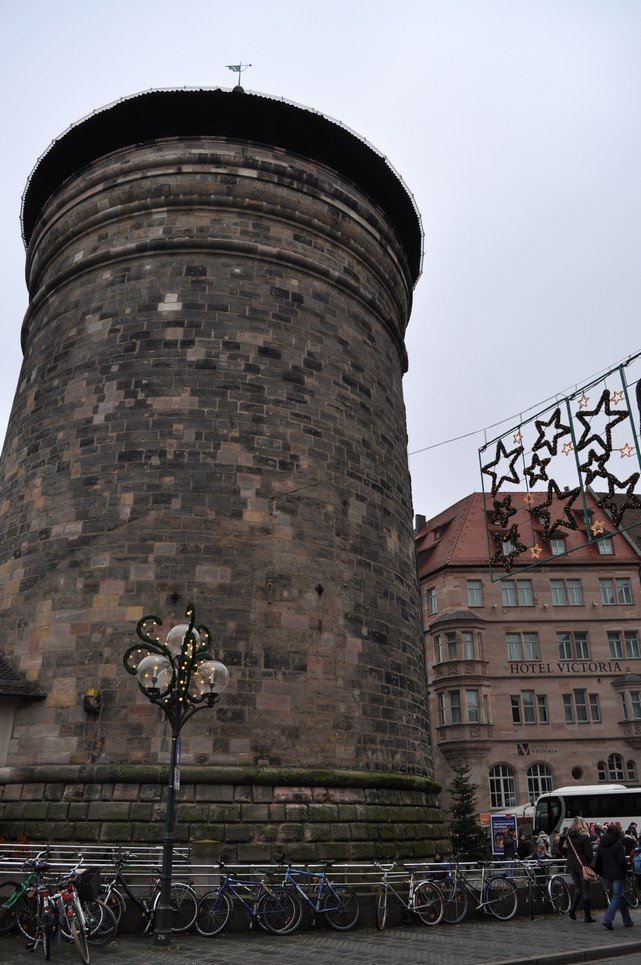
238 68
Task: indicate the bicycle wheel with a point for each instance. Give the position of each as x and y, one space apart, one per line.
45 934
381 907
559 893
78 933
500 898
100 921
214 913
184 906
455 902
114 900
279 912
629 892
27 915
428 903
8 889
340 907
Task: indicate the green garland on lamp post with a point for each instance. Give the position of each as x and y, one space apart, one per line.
181 677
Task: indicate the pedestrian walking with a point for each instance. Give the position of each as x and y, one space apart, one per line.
578 848
611 863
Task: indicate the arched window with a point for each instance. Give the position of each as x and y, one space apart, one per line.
602 772
539 781
615 767
631 768
502 786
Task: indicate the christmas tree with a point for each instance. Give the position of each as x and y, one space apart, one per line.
469 840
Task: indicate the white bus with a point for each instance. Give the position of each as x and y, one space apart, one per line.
595 803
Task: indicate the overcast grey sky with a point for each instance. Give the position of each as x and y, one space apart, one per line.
514 123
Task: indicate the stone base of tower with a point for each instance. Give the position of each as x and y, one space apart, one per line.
249 814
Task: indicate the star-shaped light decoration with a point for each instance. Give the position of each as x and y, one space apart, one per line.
535 551
517 438
503 509
626 451
583 401
567 448
617 397
597 528
510 475
553 520
528 499
537 470
512 539
584 418
598 460
561 430
615 508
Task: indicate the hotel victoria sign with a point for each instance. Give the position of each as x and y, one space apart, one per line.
567 667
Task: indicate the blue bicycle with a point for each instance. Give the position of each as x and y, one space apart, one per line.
275 909
337 903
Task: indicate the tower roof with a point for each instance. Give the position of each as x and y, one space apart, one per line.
199 112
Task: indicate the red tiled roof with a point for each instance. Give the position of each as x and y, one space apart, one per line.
459 537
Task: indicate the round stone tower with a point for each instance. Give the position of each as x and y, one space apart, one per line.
210 408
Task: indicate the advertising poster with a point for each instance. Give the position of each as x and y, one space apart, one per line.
499 822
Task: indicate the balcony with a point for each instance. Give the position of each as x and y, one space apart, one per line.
631 732
465 670
470 741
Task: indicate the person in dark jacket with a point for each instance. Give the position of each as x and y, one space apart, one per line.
612 864
509 848
577 844
524 849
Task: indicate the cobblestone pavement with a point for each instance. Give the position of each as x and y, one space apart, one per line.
552 940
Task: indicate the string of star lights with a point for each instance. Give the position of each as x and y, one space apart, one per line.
574 445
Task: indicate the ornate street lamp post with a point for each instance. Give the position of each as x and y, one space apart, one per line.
181 677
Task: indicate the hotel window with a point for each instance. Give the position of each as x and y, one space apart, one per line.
467 642
441 709
566 592
502 786
522 646
613 769
472 702
605 546
615 591
557 546
624 707
631 705
539 781
626 644
431 600
573 646
517 593
580 708
525 707
438 650
474 593
455 707
450 640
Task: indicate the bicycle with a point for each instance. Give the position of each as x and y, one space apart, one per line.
276 910
19 904
424 898
184 902
496 895
630 893
552 889
337 903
